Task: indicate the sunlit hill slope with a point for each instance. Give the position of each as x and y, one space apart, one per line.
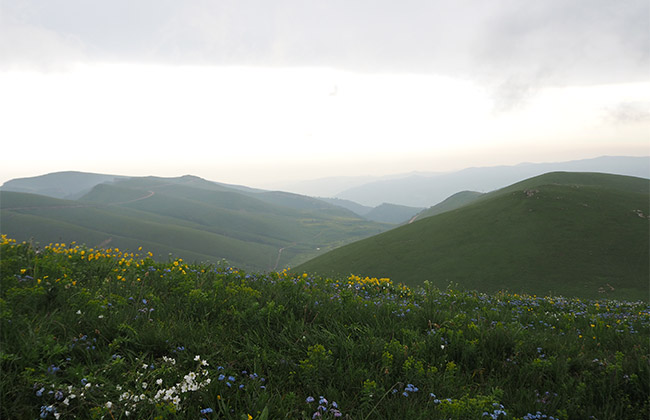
575 234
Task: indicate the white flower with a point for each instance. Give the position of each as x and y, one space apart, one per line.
88 385
100 316
79 312
127 413
197 358
109 405
159 381
144 385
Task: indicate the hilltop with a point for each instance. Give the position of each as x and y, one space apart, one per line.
574 234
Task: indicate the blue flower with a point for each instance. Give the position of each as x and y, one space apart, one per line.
206 410
310 399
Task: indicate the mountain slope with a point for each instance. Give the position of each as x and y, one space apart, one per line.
576 234
189 217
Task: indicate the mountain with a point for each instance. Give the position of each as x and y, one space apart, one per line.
385 212
69 184
392 213
574 234
424 190
188 217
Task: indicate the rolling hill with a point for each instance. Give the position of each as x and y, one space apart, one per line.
574 234
190 218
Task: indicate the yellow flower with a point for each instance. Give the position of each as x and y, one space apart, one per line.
250 417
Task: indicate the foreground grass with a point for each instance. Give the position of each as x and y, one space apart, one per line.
102 334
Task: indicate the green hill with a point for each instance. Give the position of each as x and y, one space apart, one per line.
190 218
574 234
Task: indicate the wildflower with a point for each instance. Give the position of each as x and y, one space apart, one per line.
159 381
206 411
310 399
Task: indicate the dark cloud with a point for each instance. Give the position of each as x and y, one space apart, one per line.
506 43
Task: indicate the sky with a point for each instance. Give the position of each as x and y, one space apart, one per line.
265 93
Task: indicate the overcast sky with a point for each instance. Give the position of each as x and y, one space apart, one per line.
256 92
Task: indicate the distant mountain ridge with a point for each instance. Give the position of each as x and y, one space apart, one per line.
568 233
425 190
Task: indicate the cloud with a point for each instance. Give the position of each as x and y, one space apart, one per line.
629 113
501 42
25 46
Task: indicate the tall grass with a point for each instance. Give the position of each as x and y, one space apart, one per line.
91 333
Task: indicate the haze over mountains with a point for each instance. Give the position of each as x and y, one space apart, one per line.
428 189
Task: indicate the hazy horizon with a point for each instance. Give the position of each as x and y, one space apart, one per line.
260 94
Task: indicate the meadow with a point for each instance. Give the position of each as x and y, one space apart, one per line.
101 333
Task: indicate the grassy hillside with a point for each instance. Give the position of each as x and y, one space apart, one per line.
190 218
575 234
98 333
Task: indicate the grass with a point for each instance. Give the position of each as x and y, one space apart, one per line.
572 234
100 333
